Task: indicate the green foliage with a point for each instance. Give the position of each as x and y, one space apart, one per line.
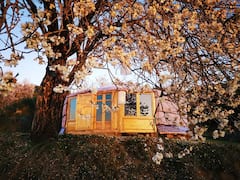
102 157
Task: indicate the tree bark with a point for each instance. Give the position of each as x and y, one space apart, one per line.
48 114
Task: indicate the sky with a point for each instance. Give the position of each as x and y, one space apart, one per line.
30 71
27 69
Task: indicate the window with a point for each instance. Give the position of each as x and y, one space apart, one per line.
130 106
99 97
99 107
138 105
73 107
101 101
145 104
109 104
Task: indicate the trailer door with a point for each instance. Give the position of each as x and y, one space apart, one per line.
84 121
103 111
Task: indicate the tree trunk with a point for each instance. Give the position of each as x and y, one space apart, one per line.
48 114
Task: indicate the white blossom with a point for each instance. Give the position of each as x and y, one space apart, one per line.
60 88
168 155
157 158
160 147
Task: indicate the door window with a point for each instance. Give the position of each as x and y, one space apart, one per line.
109 104
73 107
145 105
105 113
99 107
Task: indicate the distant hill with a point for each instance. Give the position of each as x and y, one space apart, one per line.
18 115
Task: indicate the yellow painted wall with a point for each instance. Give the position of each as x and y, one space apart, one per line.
85 110
138 124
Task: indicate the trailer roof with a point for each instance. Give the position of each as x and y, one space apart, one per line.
101 89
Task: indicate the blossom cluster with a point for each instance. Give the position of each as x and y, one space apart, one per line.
7 82
43 17
133 87
157 158
83 8
185 152
60 88
74 29
218 133
41 42
198 133
14 59
62 70
160 154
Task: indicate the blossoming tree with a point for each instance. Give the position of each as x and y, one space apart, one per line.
188 48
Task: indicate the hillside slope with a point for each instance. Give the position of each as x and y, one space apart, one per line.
101 157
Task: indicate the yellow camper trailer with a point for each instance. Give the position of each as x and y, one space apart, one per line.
111 110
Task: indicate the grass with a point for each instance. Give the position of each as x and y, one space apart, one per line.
104 157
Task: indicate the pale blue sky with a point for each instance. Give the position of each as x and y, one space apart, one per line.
32 72
28 70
